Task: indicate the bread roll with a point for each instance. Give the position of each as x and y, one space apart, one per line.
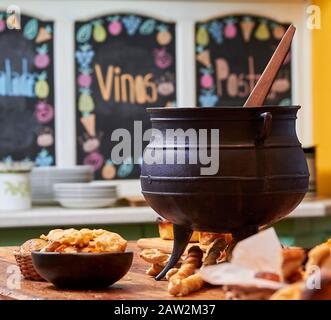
166 231
206 238
293 259
32 245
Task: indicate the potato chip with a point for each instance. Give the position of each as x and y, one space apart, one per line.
84 240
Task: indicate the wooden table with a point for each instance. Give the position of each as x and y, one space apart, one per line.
135 285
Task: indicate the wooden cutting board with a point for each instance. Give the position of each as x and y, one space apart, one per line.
163 245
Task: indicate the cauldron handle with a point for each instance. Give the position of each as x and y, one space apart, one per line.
265 128
182 236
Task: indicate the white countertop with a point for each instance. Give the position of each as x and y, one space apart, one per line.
55 216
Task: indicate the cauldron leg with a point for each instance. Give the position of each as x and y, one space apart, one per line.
182 236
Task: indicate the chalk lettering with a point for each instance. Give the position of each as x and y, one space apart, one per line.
17 84
123 87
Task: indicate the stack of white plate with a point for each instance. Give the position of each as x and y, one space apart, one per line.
85 195
44 178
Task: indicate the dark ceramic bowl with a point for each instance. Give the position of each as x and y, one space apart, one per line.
82 270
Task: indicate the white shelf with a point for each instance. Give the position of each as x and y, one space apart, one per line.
54 216
320 207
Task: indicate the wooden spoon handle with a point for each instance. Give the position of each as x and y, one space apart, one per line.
262 87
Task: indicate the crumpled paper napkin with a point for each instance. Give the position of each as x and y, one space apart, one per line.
261 252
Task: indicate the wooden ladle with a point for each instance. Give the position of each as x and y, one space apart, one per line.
262 87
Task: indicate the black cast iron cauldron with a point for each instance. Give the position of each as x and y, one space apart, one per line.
262 173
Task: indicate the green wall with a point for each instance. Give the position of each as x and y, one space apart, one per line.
16 236
304 232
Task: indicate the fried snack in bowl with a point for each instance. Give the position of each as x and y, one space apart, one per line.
78 238
66 249
82 259
108 242
84 240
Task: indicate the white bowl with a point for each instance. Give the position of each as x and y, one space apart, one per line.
86 203
106 195
82 186
44 178
73 169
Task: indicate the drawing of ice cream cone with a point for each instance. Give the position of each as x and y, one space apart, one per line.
88 122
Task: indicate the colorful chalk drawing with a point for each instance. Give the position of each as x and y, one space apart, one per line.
99 31
17 84
216 31
94 159
131 24
2 22
115 82
32 80
45 137
108 171
84 33
30 30
115 26
230 29
42 59
44 112
42 88
162 58
125 168
44 159
147 27
84 56
231 53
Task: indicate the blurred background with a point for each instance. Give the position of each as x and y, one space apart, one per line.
71 72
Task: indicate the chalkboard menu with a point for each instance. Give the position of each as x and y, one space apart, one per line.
124 63
231 54
26 90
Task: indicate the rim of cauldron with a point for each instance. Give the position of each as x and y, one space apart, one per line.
210 109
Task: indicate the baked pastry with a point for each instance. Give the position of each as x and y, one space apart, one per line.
158 260
24 259
293 259
322 292
291 292
206 238
319 256
183 280
32 245
247 293
166 231
303 290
